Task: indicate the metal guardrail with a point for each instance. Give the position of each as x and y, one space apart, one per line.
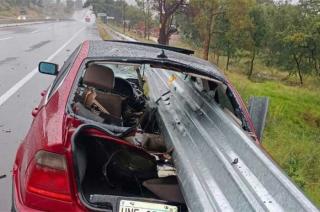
258 109
15 22
220 168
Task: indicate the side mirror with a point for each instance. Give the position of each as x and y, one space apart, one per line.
48 68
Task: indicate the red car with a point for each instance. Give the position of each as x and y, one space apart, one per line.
100 140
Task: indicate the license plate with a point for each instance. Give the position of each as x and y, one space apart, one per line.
135 206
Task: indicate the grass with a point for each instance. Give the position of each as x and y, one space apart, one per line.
102 31
292 133
8 12
130 33
11 12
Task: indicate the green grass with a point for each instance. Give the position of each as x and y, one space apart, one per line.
130 33
292 133
102 31
6 11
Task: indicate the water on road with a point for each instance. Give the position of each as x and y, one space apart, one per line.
21 49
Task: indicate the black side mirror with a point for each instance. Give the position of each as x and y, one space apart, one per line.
48 68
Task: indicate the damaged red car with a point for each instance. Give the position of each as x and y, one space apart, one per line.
108 134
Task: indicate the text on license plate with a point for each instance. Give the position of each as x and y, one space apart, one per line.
135 206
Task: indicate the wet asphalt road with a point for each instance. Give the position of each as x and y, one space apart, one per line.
21 49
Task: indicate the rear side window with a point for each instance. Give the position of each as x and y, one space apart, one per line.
63 72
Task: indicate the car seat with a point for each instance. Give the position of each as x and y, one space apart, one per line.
100 80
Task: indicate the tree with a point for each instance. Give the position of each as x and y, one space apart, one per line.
143 7
257 33
70 6
78 4
187 27
134 16
296 44
204 14
236 25
310 7
110 7
294 40
166 9
124 7
314 45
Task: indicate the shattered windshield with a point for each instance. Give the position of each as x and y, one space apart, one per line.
123 70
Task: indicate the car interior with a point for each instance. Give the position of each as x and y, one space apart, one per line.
115 95
106 98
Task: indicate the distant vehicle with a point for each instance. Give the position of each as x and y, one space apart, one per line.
47 17
22 17
121 128
87 19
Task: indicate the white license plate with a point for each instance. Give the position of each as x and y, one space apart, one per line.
135 206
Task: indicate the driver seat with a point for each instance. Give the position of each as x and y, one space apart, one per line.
101 79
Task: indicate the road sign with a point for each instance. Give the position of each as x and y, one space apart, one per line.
102 14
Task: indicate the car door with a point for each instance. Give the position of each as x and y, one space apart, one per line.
64 70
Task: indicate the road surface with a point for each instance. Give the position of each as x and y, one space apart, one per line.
20 85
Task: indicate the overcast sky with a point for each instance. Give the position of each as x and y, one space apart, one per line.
131 1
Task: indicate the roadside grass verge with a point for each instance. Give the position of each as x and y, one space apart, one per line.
102 31
130 33
7 11
12 12
292 133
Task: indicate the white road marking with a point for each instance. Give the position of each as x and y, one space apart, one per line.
35 31
7 38
25 79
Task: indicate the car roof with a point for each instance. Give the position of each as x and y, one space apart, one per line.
98 49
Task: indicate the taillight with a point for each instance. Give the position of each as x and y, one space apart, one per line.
48 176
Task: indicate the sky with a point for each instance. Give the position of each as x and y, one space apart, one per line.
131 2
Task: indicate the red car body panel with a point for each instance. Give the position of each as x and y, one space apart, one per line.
245 112
51 131
45 134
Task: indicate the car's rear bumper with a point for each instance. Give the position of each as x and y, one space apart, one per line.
17 204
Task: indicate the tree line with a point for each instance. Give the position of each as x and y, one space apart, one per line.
283 35
280 34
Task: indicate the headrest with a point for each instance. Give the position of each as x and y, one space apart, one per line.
99 76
